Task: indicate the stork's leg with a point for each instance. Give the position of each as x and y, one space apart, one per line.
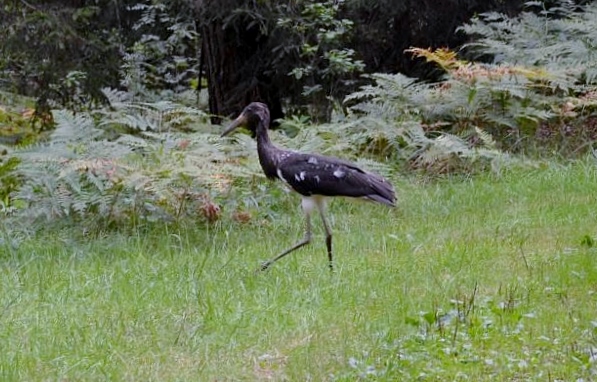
306 240
328 233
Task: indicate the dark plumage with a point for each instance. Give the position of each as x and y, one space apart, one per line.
313 176
310 174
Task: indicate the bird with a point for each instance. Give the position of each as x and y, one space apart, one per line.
316 178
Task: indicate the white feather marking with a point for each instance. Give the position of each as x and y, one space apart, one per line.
300 176
281 177
317 178
312 160
339 173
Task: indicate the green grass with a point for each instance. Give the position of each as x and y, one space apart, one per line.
490 278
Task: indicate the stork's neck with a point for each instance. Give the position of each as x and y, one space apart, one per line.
262 135
267 152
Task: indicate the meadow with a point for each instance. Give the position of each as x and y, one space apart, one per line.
487 277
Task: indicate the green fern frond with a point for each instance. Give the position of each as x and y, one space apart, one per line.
558 38
71 127
486 138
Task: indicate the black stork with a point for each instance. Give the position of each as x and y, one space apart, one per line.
315 177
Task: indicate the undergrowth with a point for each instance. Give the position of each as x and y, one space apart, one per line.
128 161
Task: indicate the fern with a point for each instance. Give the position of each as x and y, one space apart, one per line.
126 114
89 170
508 100
431 124
560 39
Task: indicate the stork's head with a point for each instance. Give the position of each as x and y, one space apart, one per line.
254 114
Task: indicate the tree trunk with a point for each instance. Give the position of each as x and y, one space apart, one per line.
234 62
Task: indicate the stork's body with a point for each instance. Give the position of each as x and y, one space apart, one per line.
314 177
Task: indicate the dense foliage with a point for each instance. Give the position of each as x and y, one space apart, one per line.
288 53
64 53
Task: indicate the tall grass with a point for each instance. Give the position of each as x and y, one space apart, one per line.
488 278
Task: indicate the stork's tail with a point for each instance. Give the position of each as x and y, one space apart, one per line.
381 190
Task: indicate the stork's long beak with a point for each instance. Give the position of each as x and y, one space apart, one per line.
240 121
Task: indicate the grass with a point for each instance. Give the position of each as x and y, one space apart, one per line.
489 278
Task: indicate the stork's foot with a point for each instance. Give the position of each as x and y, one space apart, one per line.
264 266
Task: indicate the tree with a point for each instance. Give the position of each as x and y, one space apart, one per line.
235 56
44 41
58 50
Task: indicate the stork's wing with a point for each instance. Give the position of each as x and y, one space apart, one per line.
310 174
